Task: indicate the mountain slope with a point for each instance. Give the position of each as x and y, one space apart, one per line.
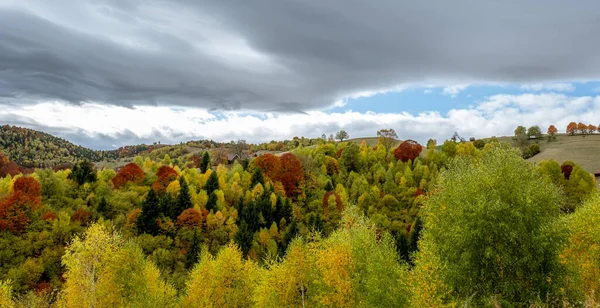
31 148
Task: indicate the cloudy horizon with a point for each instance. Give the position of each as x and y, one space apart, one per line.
106 73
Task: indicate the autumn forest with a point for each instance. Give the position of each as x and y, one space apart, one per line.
324 222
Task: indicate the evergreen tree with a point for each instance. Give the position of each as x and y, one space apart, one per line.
184 200
193 252
329 186
283 209
166 205
150 212
292 232
402 246
205 163
83 173
257 177
211 204
212 183
414 236
104 208
244 238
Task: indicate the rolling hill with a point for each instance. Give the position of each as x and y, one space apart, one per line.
31 148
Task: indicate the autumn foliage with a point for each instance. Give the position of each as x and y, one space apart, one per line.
288 170
552 130
291 174
14 209
572 128
82 217
190 218
9 167
408 150
165 176
130 173
270 165
338 200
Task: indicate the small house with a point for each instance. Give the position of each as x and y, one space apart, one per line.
231 158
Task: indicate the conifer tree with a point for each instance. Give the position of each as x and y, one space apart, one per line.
205 163
184 200
150 212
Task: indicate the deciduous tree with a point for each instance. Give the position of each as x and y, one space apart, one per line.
341 135
387 137
130 173
408 150
571 128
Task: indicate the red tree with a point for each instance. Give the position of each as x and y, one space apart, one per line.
572 128
130 173
269 164
567 168
582 128
291 175
8 167
552 130
14 208
592 128
165 176
82 217
408 150
189 218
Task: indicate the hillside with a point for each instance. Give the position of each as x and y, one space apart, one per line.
31 148
581 149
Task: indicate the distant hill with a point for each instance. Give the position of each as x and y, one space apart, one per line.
583 150
30 148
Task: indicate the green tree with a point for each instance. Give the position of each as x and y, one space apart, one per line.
184 200
212 183
487 222
257 177
341 135
387 137
520 137
193 252
534 131
150 212
104 208
205 163
350 159
83 173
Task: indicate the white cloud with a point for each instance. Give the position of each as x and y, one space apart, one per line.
453 91
428 91
496 115
559 87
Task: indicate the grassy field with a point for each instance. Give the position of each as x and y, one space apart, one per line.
584 151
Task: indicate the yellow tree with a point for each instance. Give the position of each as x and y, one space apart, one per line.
222 281
104 271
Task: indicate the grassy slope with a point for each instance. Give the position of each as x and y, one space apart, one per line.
581 150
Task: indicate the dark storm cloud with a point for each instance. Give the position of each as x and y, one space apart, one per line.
285 56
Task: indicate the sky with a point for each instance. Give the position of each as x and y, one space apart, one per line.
108 73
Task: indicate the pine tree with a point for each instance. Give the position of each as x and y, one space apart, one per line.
191 257
83 173
205 163
329 186
211 204
244 238
150 212
257 177
184 200
104 208
212 183
166 205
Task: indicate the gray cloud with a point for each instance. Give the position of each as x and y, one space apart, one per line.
284 56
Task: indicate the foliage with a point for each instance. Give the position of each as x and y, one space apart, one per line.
408 150
130 173
387 137
30 148
83 173
485 223
341 135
